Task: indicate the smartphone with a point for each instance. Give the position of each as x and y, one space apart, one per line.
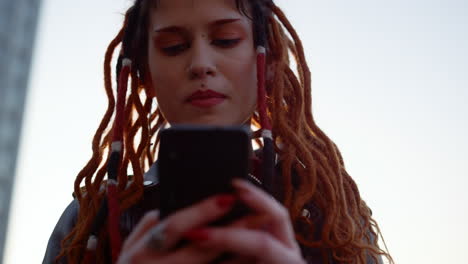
198 162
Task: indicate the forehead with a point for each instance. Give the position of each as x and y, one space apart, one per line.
193 12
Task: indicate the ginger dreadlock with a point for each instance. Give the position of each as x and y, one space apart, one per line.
348 231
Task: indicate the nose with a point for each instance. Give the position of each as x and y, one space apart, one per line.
202 64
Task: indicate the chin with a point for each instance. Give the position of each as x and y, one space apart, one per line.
211 121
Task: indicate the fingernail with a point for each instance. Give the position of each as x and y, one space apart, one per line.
226 200
197 235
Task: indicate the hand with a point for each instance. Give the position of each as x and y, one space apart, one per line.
267 236
137 247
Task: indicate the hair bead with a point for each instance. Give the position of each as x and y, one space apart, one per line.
116 146
90 254
261 50
92 243
266 133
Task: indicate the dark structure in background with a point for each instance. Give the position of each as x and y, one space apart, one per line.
18 23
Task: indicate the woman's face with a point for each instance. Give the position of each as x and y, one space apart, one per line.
202 62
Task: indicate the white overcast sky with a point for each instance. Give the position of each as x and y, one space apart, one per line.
390 87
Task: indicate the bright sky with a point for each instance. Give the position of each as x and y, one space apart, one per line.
390 87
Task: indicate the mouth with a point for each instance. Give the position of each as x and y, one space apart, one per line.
206 98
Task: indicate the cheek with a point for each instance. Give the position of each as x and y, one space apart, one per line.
164 75
242 76
162 80
247 80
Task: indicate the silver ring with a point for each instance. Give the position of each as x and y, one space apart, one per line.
157 238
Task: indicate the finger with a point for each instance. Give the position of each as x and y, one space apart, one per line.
240 260
197 215
140 253
264 204
252 221
193 253
249 243
148 221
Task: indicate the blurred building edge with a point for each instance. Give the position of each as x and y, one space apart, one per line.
18 25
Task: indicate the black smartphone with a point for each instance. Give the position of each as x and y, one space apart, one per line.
198 162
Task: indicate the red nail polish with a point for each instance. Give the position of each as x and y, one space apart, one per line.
197 235
226 201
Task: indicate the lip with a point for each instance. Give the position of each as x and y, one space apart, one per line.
206 98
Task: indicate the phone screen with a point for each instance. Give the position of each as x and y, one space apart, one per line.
198 162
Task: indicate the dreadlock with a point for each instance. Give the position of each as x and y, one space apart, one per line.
348 230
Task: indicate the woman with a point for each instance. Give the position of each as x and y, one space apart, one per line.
204 63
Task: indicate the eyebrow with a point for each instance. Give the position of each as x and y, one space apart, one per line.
172 29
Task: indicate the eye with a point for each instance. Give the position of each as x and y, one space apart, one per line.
175 50
226 43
